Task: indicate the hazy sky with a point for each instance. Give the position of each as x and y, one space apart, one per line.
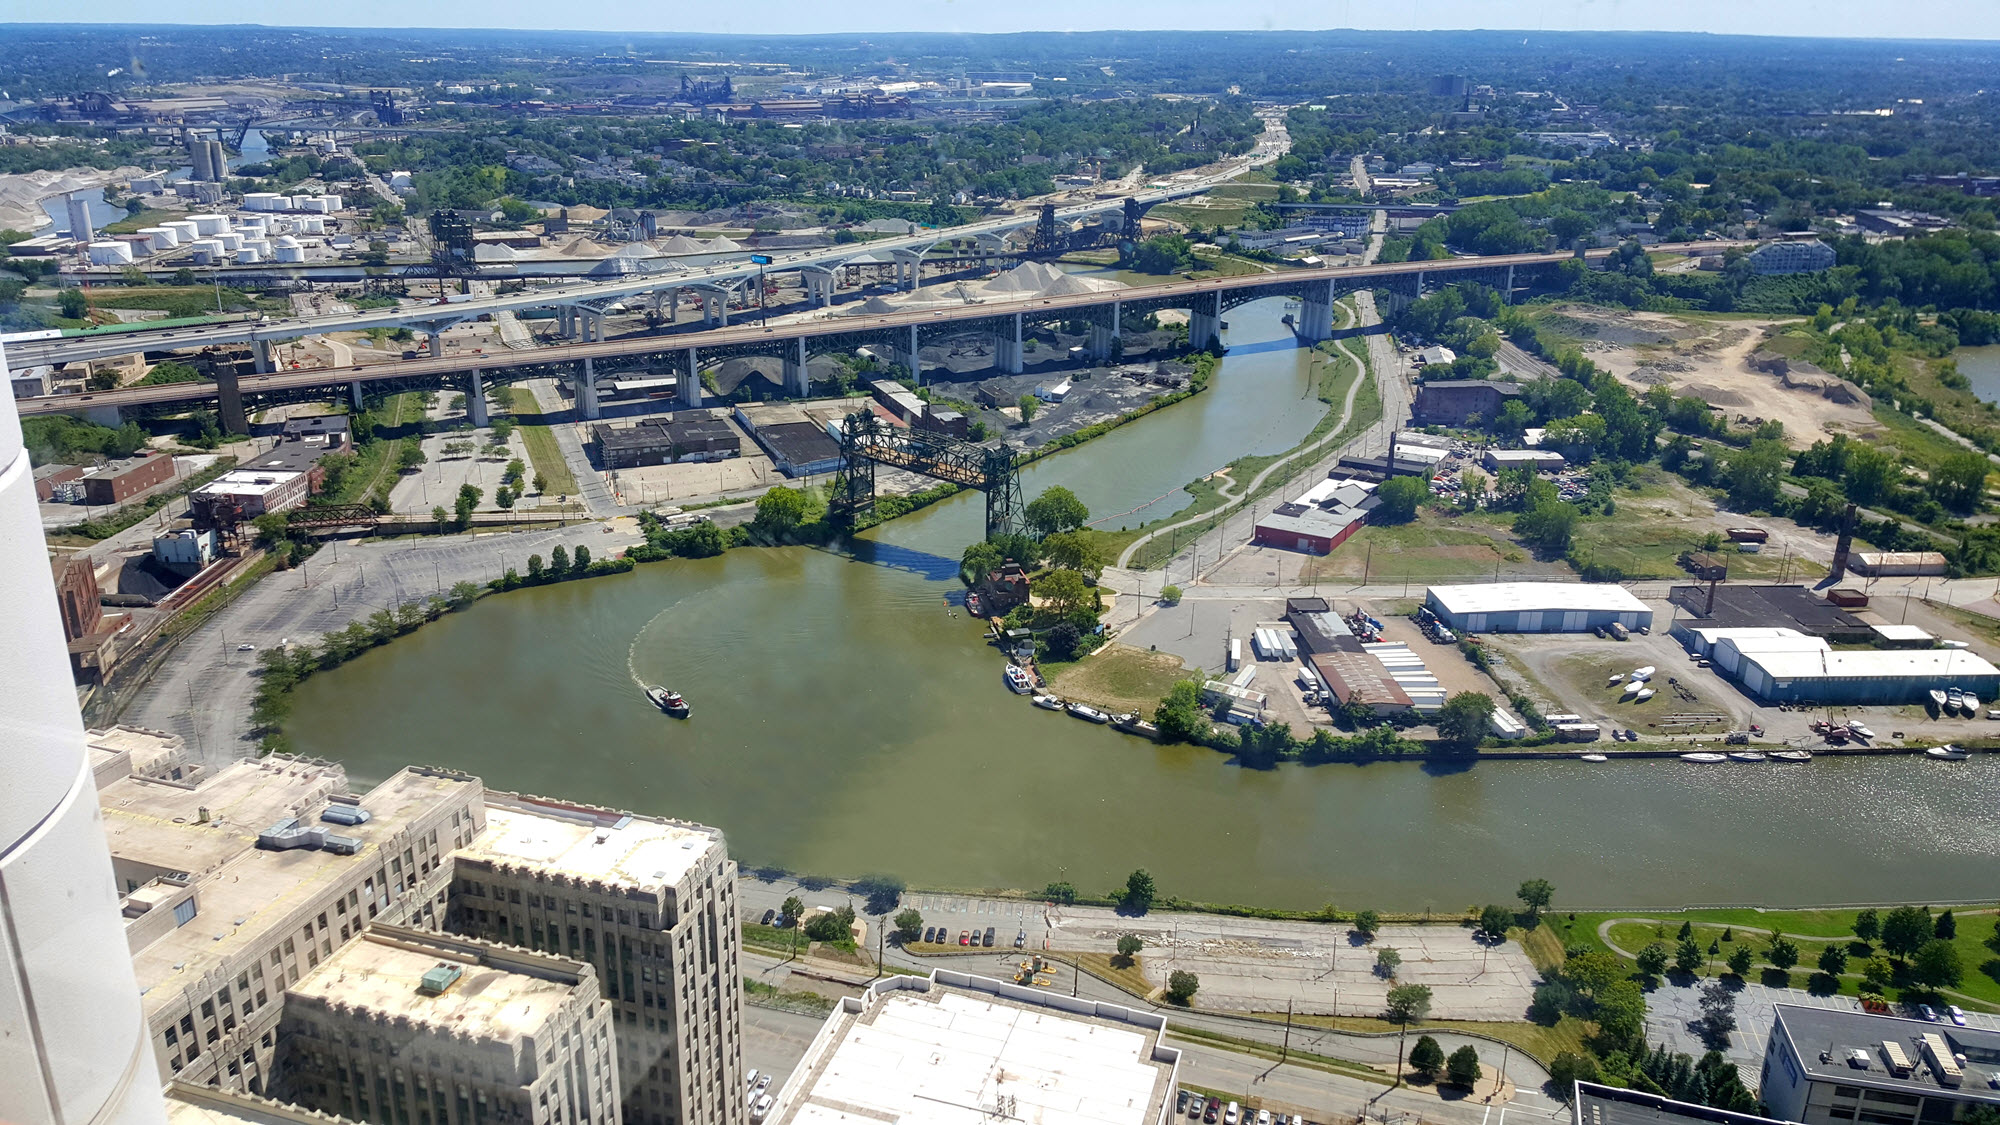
1917 19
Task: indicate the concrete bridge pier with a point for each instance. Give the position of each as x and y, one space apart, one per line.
1101 335
262 350
1507 294
1007 349
1205 321
475 399
714 309
691 382
797 379
909 268
910 356
1316 313
112 417
434 338
566 321
354 390
586 391
228 402
819 283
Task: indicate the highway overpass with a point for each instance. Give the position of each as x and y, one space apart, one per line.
899 334
583 301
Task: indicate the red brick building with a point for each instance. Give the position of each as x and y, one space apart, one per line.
119 481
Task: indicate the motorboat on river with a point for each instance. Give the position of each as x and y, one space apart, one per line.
1017 680
1048 703
1793 756
1947 753
1705 757
1746 755
1087 713
669 701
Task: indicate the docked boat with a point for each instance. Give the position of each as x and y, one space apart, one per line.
1048 703
669 701
1790 755
1746 756
1644 674
1131 723
1087 713
1954 699
1938 698
1969 703
1593 758
974 605
1947 753
1703 756
1017 680
1860 731
1643 696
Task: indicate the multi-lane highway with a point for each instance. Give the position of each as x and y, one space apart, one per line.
500 361
80 348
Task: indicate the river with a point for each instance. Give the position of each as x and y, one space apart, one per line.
1981 366
845 724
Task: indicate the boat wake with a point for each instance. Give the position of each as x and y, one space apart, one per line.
632 650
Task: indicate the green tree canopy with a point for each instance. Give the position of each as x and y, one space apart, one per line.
1462 721
1536 894
1407 1003
1462 1068
1056 510
1426 1057
1139 892
1399 497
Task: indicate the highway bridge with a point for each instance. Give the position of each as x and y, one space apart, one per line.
581 304
900 335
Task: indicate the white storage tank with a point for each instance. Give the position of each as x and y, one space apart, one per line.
209 224
265 201
231 241
110 254
246 257
261 245
183 229
288 250
161 237
312 224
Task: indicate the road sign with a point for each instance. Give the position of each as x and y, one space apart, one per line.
760 259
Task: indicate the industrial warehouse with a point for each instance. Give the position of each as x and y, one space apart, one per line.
1537 607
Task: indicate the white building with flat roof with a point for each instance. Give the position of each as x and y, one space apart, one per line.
1537 607
958 1049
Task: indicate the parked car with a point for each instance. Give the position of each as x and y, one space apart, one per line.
989 937
751 1080
764 1083
246 648
1957 1016
1232 1115
762 1107
1209 1114
965 937
1020 939
1195 1107
770 914
1927 1012
1181 1101
1263 1117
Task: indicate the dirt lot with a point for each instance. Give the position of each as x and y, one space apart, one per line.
1707 359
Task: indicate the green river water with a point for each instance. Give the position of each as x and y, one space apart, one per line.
845 724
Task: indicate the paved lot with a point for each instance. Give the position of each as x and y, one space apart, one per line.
1198 630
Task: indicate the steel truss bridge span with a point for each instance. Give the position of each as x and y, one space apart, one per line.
866 441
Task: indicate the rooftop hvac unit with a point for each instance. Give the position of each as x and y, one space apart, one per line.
436 980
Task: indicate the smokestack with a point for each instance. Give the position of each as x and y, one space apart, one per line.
1392 454
1709 609
1843 545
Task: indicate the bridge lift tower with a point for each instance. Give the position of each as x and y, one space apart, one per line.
866 441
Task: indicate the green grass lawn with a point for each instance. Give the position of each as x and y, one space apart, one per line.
547 456
1544 1043
1426 547
1117 677
1811 930
375 461
147 218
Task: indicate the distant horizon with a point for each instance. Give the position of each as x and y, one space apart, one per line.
1914 20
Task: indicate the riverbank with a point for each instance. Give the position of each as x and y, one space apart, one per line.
22 194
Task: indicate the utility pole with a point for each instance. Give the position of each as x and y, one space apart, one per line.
1286 1052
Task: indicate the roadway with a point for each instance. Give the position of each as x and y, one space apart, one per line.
73 349
746 334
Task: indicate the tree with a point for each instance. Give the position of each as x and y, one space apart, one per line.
1494 921
541 484
1170 594
790 910
516 469
1653 959
1688 957
1783 953
1946 927
1752 474
979 560
1833 960
1686 932
1463 718
410 457
1548 525
1718 1012
781 510
1063 893
1399 497
1937 964
534 568
1958 481
581 561
72 303
1181 986
1408 1003
1568 1068
1535 894
1620 1010
1426 1057
1387 960
1029 404
467 503
1592 972
1139 892
1056 510
1741 960
1367 923
1064 593
463 594
909 925
1462 1069
1129 946
1076 551
503 496
559 559
1867 925
1877 972
1905 931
